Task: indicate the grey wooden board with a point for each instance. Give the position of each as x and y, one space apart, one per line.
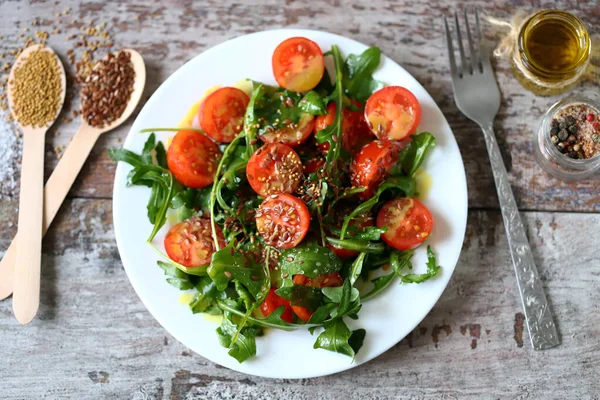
94 339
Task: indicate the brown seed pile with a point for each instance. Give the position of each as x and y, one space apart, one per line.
107 89
36 89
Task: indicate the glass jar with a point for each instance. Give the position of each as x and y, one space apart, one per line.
551 159
552 52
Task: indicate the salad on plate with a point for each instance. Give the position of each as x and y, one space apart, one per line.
290 206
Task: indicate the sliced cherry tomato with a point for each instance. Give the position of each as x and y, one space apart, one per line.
393 113
282 220
291 134
302 313
298 64
355 132
272 302
331 279
408 223
372 164
193 158
274 168
221 114
190 242
313 165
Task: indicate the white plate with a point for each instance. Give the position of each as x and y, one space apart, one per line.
387 318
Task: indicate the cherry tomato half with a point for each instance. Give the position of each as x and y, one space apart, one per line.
221 114
282 220
302 313
355 132
298 64
190 242
393 113
274 168
409 223
372 164
291 134
272 302
193 159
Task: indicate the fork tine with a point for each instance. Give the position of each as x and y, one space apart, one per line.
479 42
461 50
450 49
473 53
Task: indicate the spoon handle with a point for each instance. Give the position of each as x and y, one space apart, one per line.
29 250
55 191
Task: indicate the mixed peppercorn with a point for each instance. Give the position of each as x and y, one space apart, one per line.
575 131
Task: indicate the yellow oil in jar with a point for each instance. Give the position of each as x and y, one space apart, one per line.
553 52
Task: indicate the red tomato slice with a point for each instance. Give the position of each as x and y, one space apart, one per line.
221 114
372 164
393 113
292 134
193 159
408 221
274 168
190 242
298 64
331 279
282 220
355 133
272 302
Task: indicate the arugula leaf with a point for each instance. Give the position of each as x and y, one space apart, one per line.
192 199
370 233
207 294
300 295
356 268
401 260
412 156
432 270
379 284
161 155
332 134
357 245
335 293
337 338
244 294
244 347
313 103
358 70
309 259
227 264
346 306
148 147
126 156
175 277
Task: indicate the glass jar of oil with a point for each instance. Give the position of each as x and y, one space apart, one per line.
553 51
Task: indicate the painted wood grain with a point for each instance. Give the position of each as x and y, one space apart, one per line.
90 343
169 33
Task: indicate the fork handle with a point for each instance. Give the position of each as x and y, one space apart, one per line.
538 316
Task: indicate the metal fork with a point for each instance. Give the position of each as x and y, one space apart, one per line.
477 96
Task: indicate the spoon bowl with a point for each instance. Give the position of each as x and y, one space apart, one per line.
29 250
68 168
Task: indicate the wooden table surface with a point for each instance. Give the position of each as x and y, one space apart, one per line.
93 338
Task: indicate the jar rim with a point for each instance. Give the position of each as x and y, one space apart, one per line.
580 165
558 14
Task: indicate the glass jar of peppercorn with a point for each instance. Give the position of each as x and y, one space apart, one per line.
567 142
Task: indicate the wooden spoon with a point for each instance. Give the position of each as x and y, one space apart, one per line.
28 255
68 168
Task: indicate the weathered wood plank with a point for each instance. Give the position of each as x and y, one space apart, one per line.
90 343
407 31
